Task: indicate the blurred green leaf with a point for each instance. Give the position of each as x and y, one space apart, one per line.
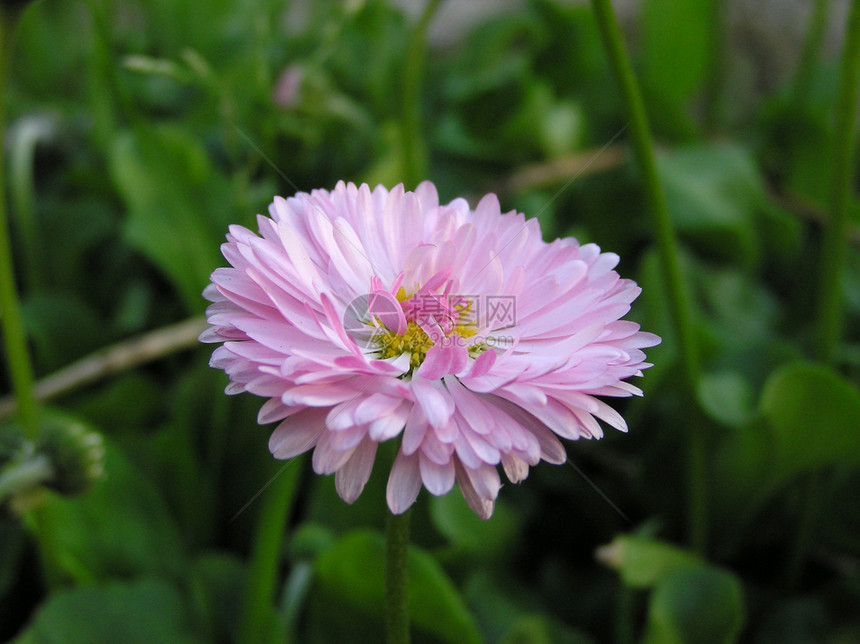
367 53
562 128
119 528
539 629
309 540
726 397
351 576
389 164
81 238
175 208
696 606
490 602
799 137
740 466
808 418
815 417
63 328
135 397
644 562
170 458
145 611
714 192
495 54
464 529
217 582
676 52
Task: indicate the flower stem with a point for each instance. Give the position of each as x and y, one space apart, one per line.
259 604
24 475
17 353
396 578
414 152
835 243
643 149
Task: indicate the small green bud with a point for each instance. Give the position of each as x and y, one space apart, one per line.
76 454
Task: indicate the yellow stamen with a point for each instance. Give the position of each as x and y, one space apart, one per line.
414 341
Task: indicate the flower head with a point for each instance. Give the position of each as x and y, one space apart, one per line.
367 315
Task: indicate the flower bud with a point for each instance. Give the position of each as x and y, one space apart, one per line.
76 454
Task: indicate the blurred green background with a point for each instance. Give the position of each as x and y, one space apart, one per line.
138 130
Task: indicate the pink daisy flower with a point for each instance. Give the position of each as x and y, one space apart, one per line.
370 315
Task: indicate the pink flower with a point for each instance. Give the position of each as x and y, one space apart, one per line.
367 315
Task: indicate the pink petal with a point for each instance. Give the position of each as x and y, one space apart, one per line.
390 425
437 363
438 479
516 469
352 477
297 434
327 457
434 401
481 506
272 410
413 433
404 483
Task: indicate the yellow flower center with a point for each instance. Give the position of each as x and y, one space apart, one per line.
415 340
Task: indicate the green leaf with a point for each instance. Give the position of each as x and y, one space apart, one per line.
120 527
217 584
464 529
676 50
167 183
814 415
539 629
143 611
714 192
696 606
644 562
351 576
562 128
726 396
63 328
741 465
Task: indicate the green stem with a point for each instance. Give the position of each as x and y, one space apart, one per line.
17 353
396 578
643 148
835 243
24 475
414 152
259 603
